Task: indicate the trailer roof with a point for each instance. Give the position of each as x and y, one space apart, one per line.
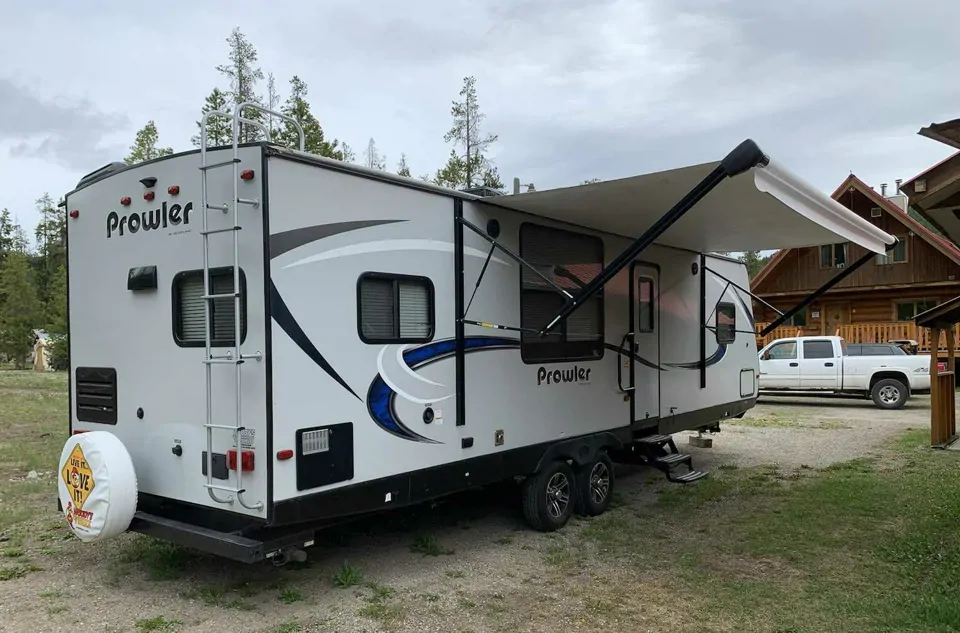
766 207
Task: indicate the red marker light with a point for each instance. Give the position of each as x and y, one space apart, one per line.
246 174
125 201
246 459
148 195
173 190
74 214
284 454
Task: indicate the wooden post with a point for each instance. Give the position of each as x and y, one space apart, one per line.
949 400
935 413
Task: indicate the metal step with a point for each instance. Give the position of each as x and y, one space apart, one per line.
673 459
655 440
687 478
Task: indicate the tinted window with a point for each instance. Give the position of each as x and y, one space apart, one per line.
645 304
817 349
726 323
853 349
882 350
783 351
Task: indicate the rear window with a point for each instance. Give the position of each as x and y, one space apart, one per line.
188 308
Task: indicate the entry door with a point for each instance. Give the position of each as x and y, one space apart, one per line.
835 315
646 336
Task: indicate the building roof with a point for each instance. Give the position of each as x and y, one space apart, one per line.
943 316
947 132
942 244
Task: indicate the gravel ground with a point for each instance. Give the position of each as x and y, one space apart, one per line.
466 565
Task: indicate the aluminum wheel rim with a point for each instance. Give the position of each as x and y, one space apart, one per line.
599 482
558 495
889 394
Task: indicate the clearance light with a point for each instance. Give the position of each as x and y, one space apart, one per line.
173 190
285 454
125 201
246 174
74 214
78 432
148 195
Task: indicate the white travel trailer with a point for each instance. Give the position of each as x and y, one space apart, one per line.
366 341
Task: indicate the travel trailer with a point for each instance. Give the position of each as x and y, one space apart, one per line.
264 341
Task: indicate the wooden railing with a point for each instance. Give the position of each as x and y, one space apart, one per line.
865 333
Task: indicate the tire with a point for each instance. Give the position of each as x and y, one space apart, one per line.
889 393
549 497
594 483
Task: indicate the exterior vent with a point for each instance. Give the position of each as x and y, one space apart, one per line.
96 394
875 212
315 441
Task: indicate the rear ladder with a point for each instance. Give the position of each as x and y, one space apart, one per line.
232 357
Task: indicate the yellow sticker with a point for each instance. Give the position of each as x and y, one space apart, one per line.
79 477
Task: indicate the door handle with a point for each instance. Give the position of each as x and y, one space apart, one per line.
794 364
828 364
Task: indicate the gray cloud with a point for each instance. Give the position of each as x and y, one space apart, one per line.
70 134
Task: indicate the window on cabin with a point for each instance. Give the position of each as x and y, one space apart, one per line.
897 256
906 310
833 255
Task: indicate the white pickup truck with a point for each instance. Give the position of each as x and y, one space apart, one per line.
821 363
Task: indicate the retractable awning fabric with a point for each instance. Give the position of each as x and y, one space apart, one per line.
765 208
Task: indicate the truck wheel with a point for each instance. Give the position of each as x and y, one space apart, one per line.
549 497
594 486
889 393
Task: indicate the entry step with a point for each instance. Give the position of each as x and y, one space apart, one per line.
661 452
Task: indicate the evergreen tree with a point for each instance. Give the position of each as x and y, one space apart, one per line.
50 237
346 153
466 132
145 145
219 129
6 233
297 107
754 262
243 74
19 308
453 174
590 181
273 102
403 169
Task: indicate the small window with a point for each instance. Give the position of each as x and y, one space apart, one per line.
898 256
571 260
909 309
646 305
726 323
817 349
395 308
833 256
188 308
783 351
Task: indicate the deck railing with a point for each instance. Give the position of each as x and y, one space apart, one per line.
866 333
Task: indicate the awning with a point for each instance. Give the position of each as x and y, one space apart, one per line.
764 208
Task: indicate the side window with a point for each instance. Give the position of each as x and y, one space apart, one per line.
570 260
817 349
646 305
394 308
726 323
783 351
188 309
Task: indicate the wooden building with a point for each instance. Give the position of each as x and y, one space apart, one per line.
878 301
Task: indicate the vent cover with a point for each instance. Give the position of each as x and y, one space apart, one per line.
96 394
315 441
875 212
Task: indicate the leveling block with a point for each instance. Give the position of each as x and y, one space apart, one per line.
97 484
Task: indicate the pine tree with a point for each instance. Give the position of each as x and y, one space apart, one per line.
19 309
145 145
219 129
50 236
372 158
6 233
467 120
753 261
273 102
590 181
243 73
297 107
453 174
403 169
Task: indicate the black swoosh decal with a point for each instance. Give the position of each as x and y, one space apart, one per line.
286 241
283 317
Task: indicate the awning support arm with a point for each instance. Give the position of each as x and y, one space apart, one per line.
843 274
744 290
744 157
486 262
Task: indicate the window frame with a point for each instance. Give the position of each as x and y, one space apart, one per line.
821 343
732 329
889 259
796 350
564 350
652 303
396 278
833 255
177 312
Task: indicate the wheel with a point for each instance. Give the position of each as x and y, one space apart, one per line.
594 484
889 393
549 497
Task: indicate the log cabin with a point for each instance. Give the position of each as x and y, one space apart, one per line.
878 301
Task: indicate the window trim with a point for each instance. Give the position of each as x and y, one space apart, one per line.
653 305
732 329
833 255
396 278
887 259
176 311
592 350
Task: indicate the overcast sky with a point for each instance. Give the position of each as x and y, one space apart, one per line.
576 89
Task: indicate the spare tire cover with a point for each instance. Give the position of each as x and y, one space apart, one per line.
97 485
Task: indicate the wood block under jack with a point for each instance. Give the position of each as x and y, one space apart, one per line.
701 442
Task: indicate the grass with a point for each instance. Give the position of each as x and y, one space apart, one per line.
428 545
347 576
289 595
157 624
379 607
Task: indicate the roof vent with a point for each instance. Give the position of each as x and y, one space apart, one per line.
875 212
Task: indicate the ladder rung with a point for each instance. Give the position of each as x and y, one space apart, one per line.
226 230
251 201
222 164
223 295
224 427
218 207
223 361
225 489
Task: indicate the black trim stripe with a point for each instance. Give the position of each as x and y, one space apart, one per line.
281 314
458 309
286 241
268 329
